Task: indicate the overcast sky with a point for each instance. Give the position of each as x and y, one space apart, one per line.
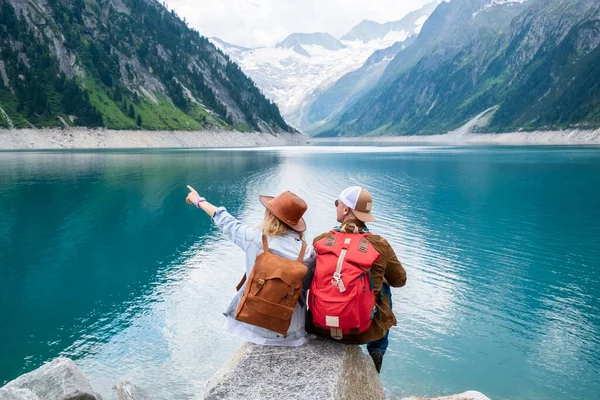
255 23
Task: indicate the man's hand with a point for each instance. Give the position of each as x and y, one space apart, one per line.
192 197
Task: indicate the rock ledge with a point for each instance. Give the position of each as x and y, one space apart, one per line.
320 369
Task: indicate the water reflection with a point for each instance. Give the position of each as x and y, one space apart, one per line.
86 235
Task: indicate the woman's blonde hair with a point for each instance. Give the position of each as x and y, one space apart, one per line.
273 226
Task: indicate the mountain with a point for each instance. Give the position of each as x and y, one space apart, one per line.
324 40
295 71
230 48
327 105
120 64
533 64
371 30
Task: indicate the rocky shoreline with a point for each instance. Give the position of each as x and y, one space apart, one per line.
83 138
320 370
461 137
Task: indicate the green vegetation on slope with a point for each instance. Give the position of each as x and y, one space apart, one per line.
135 67
38 91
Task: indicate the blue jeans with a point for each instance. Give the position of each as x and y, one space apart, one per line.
382 344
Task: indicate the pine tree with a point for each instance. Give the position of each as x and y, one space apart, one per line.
131 113
139 120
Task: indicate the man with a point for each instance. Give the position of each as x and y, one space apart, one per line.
336 279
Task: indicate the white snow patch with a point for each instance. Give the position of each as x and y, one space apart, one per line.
494 3
292 80
419 23
8 120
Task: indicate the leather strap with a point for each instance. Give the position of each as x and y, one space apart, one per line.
266 249
336 333
302 251
239 285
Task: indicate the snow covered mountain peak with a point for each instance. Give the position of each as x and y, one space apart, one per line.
324 40
229 48
368 30
294 71
495 3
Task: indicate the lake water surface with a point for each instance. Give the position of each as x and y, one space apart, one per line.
101 260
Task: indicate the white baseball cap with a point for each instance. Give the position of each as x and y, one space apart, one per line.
360 201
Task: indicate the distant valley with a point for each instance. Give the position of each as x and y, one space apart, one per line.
531 63
298 71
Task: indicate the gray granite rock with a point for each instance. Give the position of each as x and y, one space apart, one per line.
17 394
470 395
57 380
126 390
320 369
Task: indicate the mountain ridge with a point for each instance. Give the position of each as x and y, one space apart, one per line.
328 104
298 69
368 30
322 39
534 61
120 64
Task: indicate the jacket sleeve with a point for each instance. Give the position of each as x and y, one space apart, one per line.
310 260
239 233
395 273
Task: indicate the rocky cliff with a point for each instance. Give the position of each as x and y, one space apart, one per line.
533 62
120 64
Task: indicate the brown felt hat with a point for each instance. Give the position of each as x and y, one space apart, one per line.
288 208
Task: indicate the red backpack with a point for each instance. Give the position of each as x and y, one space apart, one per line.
341 296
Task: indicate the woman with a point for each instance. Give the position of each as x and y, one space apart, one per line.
283 226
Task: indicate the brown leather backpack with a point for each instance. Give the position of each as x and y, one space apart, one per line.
272 291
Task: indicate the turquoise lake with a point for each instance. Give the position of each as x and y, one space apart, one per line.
101 260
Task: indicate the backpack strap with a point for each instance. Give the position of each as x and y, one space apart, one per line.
337 275
266 249
302 251
239 285
350 225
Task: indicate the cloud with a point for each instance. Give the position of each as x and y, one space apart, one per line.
255 23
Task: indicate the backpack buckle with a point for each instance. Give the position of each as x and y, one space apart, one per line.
337 281
260 283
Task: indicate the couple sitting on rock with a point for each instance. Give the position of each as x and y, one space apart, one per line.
347 272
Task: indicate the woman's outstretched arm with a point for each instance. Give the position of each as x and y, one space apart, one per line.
238 232
194 199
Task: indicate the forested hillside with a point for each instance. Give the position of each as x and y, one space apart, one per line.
122 65
534 64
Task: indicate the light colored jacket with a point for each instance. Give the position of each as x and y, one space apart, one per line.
287 246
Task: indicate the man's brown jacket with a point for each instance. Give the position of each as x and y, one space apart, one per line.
387 267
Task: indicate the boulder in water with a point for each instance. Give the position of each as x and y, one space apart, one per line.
17 394
60 379
126 390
